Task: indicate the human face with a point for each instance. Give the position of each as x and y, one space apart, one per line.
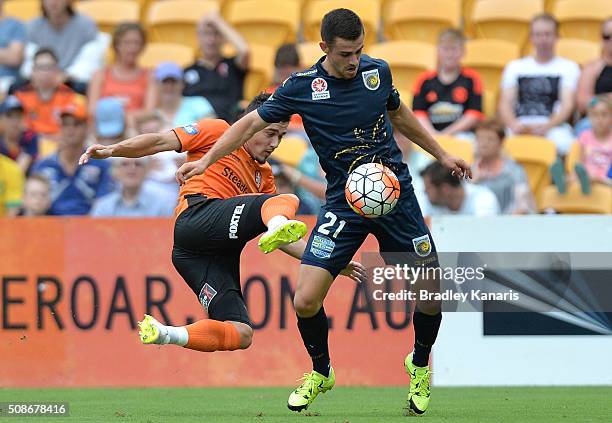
600 116
607 33
55 8
210 40
543 37
170 89
433 192
73 132
263 143
450 53
36 197
45 72
131 173
343 56
129 46
12 123
488 144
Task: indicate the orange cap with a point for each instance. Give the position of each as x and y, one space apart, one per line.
78 108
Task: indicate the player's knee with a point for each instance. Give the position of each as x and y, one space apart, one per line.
304 306
430 307
246 336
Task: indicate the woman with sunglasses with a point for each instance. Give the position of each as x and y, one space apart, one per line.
596 77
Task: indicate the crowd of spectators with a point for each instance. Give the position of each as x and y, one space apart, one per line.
64 85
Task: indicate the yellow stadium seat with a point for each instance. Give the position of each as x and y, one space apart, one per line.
467 9
368 11
454 146
407 60
420 20
549 6
266 22
24 10
490 100
580 51
46 147
261 66
488 58
572 157
406 96
599 201
309 53
107 14
291 150
175 21
155 53
536 155
505 20
582 18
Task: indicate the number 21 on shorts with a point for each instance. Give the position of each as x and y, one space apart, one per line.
327 227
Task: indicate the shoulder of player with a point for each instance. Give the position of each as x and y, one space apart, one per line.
204 126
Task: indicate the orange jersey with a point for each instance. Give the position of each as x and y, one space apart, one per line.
235 174
44 116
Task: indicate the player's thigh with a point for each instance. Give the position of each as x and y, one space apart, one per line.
215 280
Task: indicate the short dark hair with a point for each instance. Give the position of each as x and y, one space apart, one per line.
125 27
341 23
494 125
257 101
546 17
46 50
439 175
287 55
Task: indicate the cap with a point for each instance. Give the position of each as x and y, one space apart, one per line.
167 70
10 103
77 108
110 117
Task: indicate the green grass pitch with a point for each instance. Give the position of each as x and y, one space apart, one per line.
342 405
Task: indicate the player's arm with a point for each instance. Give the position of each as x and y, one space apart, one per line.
138 146
408 125
237 134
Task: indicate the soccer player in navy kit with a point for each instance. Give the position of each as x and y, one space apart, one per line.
348 105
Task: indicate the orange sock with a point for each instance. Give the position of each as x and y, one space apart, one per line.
212 335
279 205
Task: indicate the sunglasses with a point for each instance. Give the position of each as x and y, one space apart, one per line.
606 37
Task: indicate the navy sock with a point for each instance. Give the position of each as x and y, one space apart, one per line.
314 332
425 333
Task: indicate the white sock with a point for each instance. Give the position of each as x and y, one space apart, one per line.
173 335
276 221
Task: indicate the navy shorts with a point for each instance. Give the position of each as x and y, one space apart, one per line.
340 231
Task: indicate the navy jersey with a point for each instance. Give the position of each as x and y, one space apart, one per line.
345 119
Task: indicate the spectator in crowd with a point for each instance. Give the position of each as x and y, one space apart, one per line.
538 92
11 187
45 96
110 121
415 158
502 175
596 143
12 44
213 76
125 79
74 188
175 109
447 194
36 197
79 46
448 100
284 185
134 197
596 76
16 142
286 62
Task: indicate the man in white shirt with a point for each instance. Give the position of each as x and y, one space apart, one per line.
538 92
446 194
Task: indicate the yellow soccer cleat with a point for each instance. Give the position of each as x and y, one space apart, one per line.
149 330
313 383
420 392
286 233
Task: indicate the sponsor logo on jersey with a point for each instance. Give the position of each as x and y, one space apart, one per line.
319 89
258 179
322 246
206 295
233 227
371 79
191 129
422 245
235 179
306 73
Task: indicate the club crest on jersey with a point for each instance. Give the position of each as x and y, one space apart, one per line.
319 89
191 129
371 79
422 245
258 179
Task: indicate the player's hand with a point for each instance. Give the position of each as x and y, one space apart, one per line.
188 170
458 166
96 151
355 271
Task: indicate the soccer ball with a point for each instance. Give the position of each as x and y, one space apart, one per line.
372 190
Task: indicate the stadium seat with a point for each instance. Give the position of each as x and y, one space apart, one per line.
454 146
368 11
599 201
505 20
582 18
291 150
490 100
580 51
175 21
265 22
536 155
572 157
24 10
420 20
310 53
107 14
488 58
467 9
406 96
155 53
261 66
549 6
407 60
